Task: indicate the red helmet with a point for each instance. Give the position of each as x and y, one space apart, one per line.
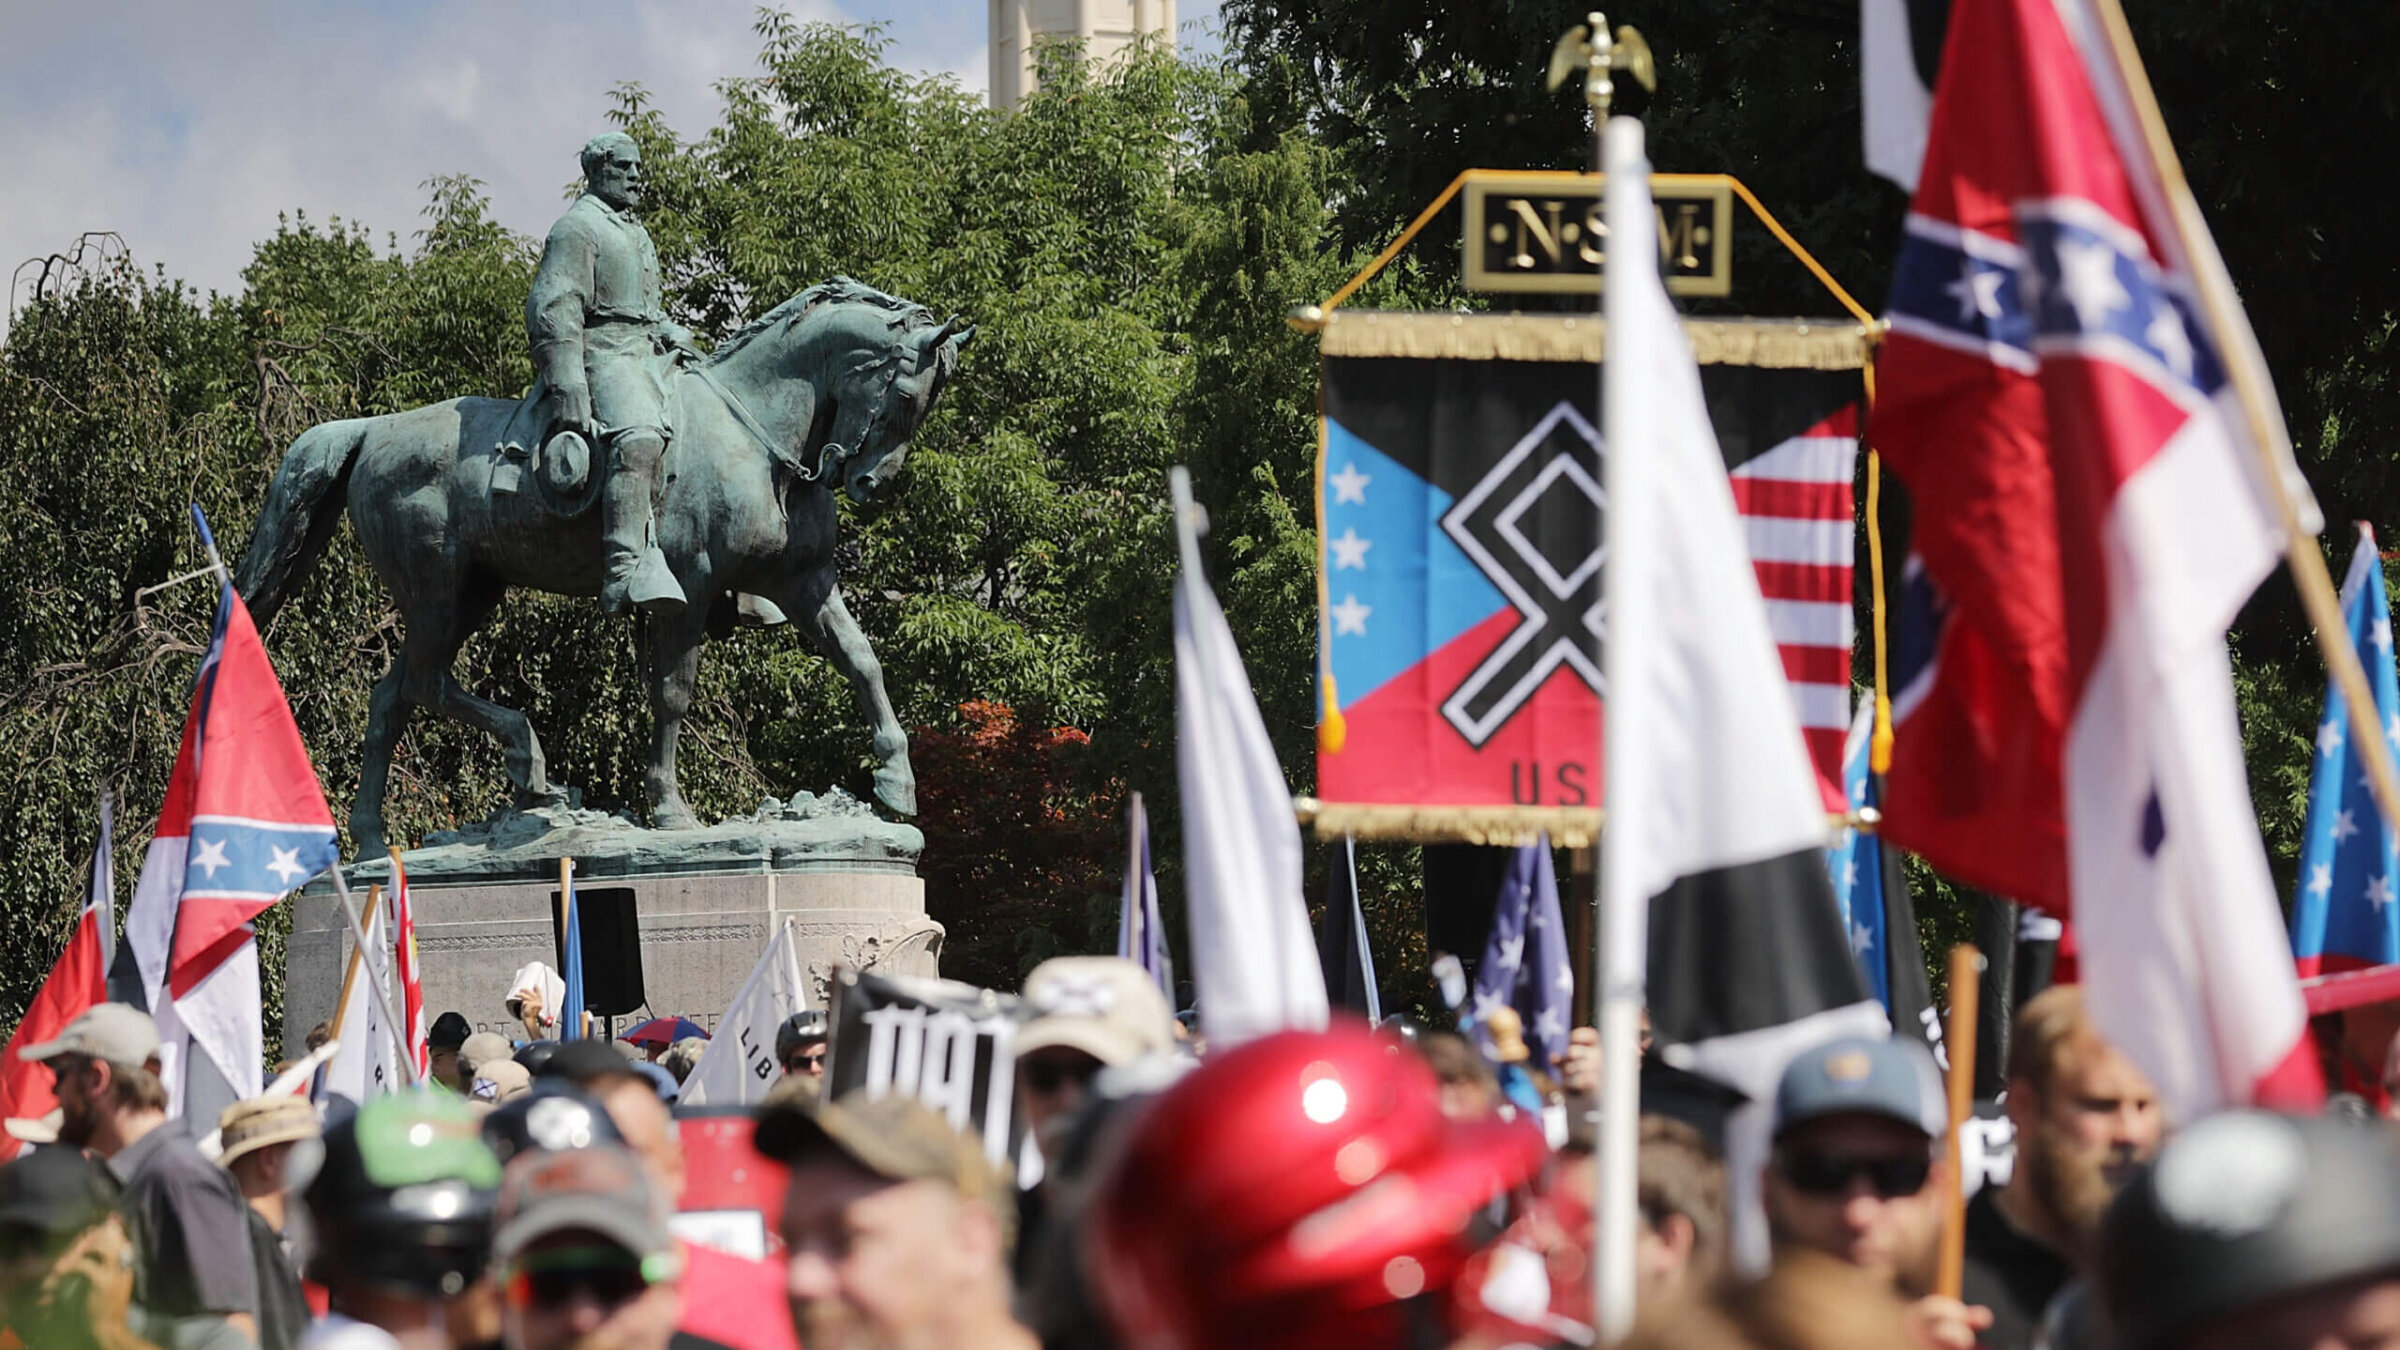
1295 1191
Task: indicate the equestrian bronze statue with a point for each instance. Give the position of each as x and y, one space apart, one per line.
456 502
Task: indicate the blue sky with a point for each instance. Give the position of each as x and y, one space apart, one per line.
186 127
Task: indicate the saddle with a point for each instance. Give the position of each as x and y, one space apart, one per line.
566 472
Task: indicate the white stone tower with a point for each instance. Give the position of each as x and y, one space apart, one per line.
1107 28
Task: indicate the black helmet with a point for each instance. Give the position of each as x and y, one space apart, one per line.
555 1116
401 1196
2244 1209
535 1055
801 1027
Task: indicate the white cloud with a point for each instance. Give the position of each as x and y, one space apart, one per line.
188 128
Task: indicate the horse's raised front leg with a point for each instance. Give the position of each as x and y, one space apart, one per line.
387 718
838 639
674 667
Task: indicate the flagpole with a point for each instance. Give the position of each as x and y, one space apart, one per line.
341 1007
1966 975
383 993
2221 311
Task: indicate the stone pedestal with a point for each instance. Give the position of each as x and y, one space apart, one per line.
707 901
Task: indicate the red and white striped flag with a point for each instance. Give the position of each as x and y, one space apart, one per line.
412 990
1795 502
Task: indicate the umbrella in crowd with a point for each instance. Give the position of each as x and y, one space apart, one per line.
665 1031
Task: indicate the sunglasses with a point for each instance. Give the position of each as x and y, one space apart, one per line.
805 1059
609 1276
1812 1172
1049 1075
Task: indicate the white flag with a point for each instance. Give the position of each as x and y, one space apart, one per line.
739 1065
1254 960
364 1066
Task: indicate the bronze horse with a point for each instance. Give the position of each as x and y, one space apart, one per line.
827 388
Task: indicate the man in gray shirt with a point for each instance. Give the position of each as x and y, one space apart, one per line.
189 1224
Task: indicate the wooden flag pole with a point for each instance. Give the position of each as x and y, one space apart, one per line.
566 917
2222 313
341 1007
1966 979
383 991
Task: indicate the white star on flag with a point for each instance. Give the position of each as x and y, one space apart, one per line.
2381 635
1351 617
1547 1024
1977 292
211 856
286 864
2343 826
2329 736
1565 980
2166 333
1860 939
1512 952
2379 891
2320 879
2089 277
1350 485
1349 550
1487 1002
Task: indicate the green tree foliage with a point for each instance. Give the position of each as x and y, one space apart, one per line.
1126 244
2279 112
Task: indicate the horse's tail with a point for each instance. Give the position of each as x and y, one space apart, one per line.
304 504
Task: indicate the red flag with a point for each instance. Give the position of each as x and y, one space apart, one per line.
79 980
244 822
412 990
2090 517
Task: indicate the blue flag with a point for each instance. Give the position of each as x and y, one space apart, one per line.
1857 862
2343 918
1525 963
1141 937
570 925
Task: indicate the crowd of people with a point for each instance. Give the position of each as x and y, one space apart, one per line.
1358 1187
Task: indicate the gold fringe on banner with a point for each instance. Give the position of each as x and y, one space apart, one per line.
1508 826
1569 826
1775 344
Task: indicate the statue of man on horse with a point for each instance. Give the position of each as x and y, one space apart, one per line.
597 327
457 502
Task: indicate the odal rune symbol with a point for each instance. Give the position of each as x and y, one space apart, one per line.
1532 526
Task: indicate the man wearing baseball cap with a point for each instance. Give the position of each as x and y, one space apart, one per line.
1090 1013
257 1136
2257 1232
584 1254
190 1226
897 1228
1854 1173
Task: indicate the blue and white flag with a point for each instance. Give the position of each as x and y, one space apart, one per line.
570 958
1141 937
1857 861
1525 964
2343 918
1878 913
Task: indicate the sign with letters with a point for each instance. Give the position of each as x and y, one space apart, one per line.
1544 233
949 1045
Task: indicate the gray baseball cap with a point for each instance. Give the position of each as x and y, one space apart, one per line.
599 1189
1894 1078
117 1032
